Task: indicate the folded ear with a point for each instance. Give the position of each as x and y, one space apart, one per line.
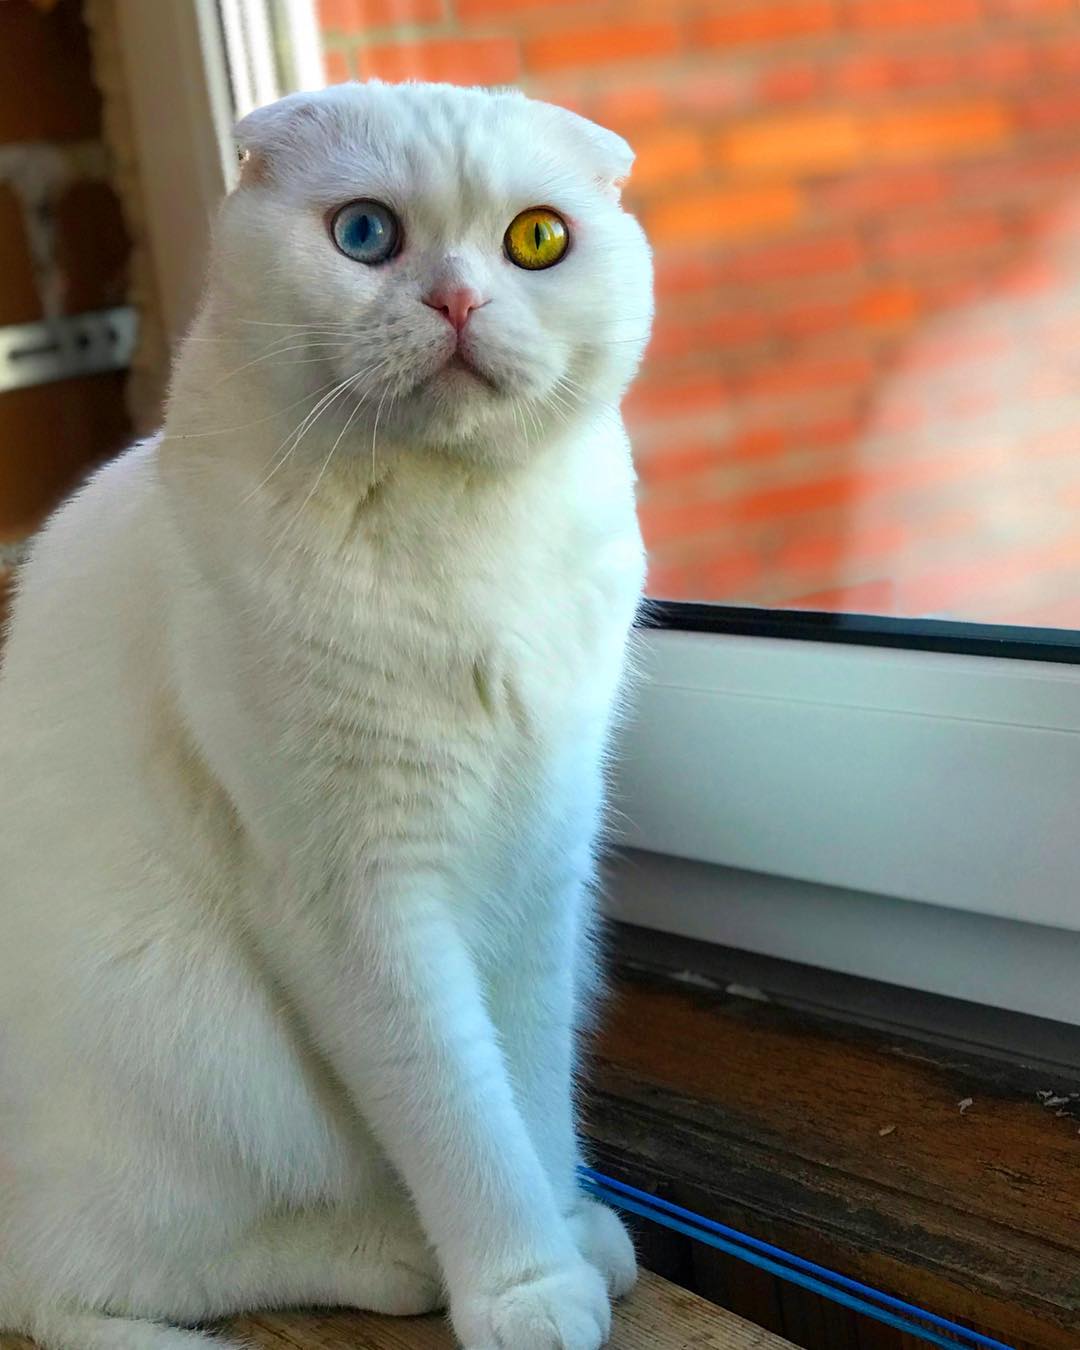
604 152
266 137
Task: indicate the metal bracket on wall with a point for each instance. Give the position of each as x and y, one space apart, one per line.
62 348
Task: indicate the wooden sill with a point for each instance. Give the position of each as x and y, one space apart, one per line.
944 1175
657 1316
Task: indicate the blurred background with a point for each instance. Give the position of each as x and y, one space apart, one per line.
863 391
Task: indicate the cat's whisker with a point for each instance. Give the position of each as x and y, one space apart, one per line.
539 426
293 439
586 396
337 344
354 412
243 426
375 429
519 419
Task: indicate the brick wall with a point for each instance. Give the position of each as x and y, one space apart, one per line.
62 250
827 184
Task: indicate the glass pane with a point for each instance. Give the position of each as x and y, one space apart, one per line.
863 391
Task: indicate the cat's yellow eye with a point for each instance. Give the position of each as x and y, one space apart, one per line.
537 238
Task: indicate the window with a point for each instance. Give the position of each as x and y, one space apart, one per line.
861 398
862 391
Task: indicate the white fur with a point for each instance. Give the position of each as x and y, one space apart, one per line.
301 738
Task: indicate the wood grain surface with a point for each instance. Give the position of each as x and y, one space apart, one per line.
657 1316
941 1175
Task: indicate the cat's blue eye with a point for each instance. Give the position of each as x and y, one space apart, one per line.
366 231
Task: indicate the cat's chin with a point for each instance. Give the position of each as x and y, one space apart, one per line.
461 372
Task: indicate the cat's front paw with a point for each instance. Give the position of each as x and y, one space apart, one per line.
603 1241
564 1309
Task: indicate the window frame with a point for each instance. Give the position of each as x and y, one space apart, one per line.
793 704
981 750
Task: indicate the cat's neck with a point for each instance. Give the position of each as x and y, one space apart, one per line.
256 452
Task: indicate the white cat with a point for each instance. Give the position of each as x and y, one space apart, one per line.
302 717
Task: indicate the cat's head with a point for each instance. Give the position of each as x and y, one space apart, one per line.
461 256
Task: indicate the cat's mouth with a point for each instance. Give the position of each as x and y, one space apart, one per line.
459 364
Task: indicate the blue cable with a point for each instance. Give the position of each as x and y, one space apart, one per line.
785 1265
866 1291
781 1272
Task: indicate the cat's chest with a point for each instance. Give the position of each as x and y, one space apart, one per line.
529 640
530 596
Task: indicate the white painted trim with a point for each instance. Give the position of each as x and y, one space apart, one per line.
234 38
949 780
182 121
249 49
304 39
997 962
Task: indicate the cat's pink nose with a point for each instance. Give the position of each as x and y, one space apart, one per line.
455 303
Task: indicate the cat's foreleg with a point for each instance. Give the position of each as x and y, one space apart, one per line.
391 996
537 1001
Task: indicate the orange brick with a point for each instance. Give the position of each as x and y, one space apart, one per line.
872 72
867 597
726 328
801 375
667 580
673 153
1011 60
829 551
338 15
1031 9
724 576
570 48
888 306
883 190
679 272
336 65
629 107
941 130
758 443
508 9
961 234
666 398
395 13
1055 110
815 256
719 92
789 83
924 70
1033 277
955 349
360 16
864 72
821 316
834 431
795 498
676 464
1062 54
913 13
813 142
761 21
724 213
664 522
494 60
